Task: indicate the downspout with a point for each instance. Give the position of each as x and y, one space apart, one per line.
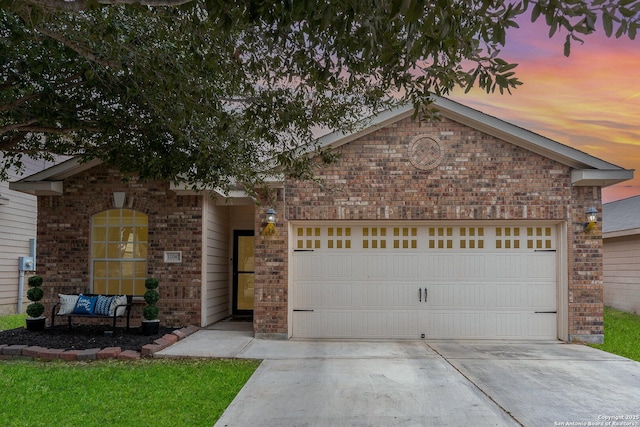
25 264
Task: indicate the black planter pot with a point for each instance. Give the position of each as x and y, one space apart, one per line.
36 323
150 327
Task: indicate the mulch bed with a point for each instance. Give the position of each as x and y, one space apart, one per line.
81 337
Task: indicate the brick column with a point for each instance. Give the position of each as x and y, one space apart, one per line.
270 309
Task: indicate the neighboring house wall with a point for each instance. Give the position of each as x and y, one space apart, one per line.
621 231
17 226
622 273
479 178
175 224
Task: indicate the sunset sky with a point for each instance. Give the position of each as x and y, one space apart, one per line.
589 101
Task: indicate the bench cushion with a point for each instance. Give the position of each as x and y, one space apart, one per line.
67 303
85 305
103 306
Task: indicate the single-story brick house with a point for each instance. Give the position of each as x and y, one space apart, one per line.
621 240
463 227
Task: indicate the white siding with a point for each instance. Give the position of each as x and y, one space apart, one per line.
217 269
17 226
220 221
621 263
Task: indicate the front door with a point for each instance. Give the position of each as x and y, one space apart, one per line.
243 271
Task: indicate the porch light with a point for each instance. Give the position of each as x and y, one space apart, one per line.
592 219
271 216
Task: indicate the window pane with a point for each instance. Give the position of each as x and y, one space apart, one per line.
127 287
141 250
139 286
99 234
141 234
113 269
141 271
100 218
113 287
99 269
100 286
128 269
99 250
114 234
113 250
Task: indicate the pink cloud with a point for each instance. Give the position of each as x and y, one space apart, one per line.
590 101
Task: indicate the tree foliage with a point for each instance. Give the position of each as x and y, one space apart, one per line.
217 93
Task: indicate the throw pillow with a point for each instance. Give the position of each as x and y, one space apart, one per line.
67 303
85 305
103 305
118 300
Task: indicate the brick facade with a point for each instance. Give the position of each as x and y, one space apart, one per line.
479 178
175 223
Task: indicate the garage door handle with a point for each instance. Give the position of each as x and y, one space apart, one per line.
420 294
425 294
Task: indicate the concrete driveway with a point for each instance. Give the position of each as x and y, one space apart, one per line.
423 383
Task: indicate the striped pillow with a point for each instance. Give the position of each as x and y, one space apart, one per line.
103 306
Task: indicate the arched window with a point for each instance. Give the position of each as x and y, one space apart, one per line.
119 252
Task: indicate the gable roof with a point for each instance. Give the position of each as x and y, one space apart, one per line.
587 170
621 218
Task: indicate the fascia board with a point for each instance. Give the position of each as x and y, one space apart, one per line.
38 188
336 139
62 170
621 233
599 177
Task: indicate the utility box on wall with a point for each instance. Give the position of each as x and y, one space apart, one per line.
26 263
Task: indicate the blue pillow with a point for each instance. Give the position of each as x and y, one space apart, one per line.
103 305
85 305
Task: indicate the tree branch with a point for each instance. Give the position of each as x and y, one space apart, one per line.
80 50
80 5
16 126
18 102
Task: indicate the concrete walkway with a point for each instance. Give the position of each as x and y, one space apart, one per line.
422 383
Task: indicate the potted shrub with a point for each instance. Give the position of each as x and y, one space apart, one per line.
35 321
150 322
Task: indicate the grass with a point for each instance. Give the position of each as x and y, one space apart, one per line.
159 392
12 321
621 334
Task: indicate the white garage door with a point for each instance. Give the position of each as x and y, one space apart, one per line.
406 280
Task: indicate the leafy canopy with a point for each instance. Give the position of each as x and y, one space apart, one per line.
216 93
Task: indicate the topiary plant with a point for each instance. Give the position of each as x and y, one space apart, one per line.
151 297
35 294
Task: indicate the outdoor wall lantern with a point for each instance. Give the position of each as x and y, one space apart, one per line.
270 228
592 219
271 216
118 200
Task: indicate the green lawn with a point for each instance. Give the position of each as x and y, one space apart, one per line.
12 321
621 334
148 392
159 392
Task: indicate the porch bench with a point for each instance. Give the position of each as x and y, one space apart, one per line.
67 308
